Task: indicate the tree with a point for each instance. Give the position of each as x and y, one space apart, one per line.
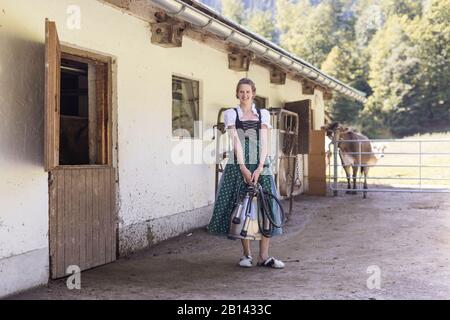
261 23
343 19
431 99
343 63
409 71
234 10
409 8
306 31
370 19
394 67
290 16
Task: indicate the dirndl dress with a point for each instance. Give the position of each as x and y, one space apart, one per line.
232 179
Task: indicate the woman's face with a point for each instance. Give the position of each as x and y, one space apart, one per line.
245 93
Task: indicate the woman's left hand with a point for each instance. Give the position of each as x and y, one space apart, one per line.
255 175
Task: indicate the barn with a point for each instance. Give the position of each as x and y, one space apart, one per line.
97 99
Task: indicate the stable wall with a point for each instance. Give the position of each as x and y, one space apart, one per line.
157 198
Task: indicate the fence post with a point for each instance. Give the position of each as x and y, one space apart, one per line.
335 168
359 168
420 165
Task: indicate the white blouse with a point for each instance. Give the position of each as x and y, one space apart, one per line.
230 116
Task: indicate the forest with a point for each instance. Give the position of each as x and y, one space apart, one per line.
396 51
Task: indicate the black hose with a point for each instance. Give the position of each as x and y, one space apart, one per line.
265 213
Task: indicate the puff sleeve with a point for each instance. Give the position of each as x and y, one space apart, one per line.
229 118
265 118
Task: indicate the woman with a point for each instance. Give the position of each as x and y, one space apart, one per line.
248 128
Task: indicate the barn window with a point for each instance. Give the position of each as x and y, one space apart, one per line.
185 107
260 102
84 111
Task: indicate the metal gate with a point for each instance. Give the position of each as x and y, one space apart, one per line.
416 166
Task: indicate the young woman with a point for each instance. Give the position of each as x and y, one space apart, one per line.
248 128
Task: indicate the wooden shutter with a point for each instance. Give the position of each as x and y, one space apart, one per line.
303 109
52 95
316 164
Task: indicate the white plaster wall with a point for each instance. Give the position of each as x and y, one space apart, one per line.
23 271
318 107
23 182
151 186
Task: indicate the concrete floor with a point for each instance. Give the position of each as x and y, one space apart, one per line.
329 246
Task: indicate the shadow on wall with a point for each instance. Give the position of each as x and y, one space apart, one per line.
22 76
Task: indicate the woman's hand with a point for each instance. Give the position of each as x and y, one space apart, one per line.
255 175
246 174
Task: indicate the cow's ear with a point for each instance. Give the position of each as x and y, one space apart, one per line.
333 126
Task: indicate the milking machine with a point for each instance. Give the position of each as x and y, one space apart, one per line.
253 215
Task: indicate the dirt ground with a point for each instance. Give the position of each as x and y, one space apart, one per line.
329 245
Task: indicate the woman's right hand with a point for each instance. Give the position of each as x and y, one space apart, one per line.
246 174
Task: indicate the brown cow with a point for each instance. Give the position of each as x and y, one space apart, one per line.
353 154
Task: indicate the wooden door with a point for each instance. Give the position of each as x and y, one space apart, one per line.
83 223
82 198
303 109
317 184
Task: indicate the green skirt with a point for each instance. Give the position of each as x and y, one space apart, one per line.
230 182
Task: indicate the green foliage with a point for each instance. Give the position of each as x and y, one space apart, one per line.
261 23
370 19
306 31
343 63
408 8
409 72
397 51
234 10
431 100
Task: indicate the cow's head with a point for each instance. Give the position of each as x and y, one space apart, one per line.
334 131
378 149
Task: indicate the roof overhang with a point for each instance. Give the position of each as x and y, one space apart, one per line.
209 21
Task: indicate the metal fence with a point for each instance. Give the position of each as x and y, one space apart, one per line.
411 166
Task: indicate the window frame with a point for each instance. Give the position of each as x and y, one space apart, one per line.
266 100
105 127
200 108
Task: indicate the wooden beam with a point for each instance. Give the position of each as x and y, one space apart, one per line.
123 4
239 61
167 35
307 87
327 95
277 76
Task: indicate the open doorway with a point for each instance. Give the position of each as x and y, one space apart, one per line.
78 157
84 111
74 115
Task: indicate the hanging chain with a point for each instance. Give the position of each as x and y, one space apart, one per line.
297 181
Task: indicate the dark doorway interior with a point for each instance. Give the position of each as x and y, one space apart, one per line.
74 115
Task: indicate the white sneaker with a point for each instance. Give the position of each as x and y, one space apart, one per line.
246 261
272 263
